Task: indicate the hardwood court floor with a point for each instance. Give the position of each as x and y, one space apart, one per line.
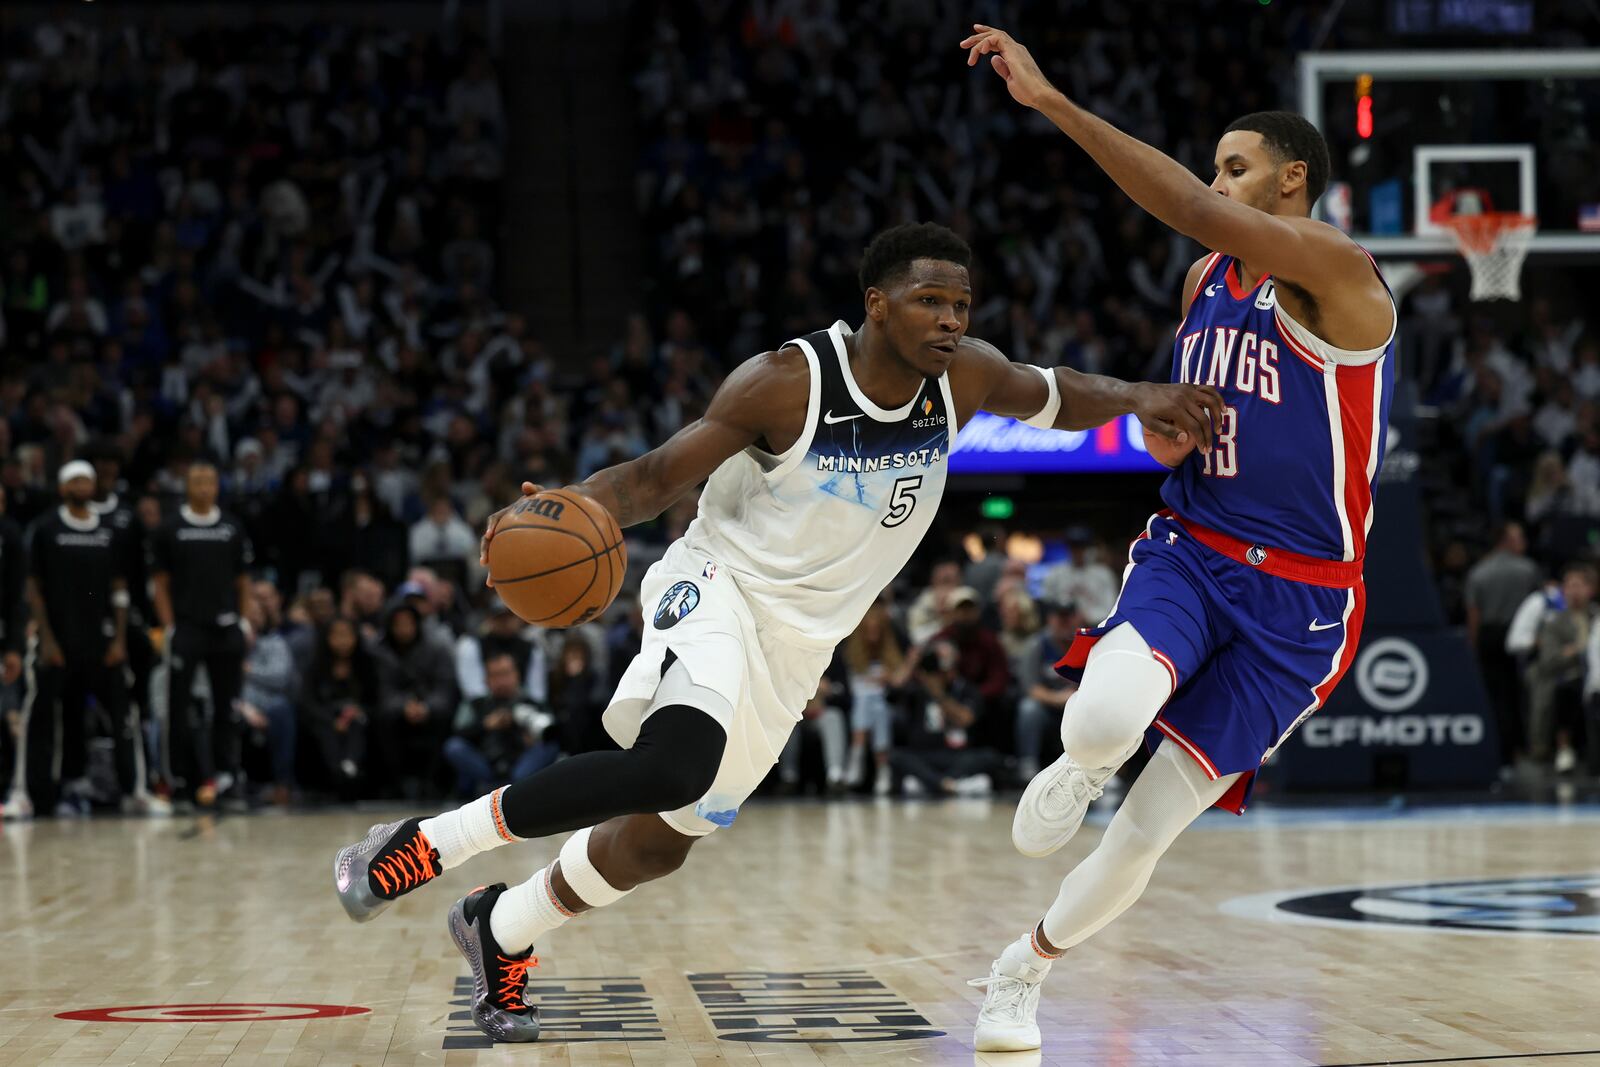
823 923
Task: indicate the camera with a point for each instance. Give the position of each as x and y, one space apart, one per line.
931 662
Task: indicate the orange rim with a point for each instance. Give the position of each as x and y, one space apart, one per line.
1480 233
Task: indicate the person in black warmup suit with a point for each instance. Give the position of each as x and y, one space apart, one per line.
115 508
80 600
200 562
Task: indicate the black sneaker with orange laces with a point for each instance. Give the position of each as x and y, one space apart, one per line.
499 981
392 860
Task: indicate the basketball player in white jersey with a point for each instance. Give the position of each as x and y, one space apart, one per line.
826 460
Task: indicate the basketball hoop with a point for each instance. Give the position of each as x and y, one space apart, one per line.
1494 244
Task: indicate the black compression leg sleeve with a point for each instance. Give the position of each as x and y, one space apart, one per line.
673 763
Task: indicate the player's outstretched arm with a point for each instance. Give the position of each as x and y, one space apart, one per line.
741 412
1179 413
1309 253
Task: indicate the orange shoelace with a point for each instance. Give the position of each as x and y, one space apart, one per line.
513 980
408 866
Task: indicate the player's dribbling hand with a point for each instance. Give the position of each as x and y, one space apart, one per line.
1011 61
528 489
1183 414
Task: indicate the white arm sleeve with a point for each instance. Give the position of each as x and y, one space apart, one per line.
1045 419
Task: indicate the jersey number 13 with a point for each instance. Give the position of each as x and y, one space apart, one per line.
1223 459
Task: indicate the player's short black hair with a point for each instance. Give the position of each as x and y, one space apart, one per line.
892 252
1290 137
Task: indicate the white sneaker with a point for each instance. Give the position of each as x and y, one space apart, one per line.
1008 1020
883 784
1054 804
974 785
17 808
149 805
912 787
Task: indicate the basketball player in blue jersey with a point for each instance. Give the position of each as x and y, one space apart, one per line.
823 463
1242 601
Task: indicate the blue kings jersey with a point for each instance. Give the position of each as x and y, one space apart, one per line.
1296 457
812 536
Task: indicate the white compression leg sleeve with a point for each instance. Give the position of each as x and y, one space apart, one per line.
1169 795
1124 687
525 913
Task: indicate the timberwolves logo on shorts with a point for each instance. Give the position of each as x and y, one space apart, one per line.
675 604
1563 904
1256 555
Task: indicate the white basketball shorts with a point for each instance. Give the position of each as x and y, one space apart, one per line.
766 672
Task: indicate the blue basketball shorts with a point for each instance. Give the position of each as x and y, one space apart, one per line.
1252 653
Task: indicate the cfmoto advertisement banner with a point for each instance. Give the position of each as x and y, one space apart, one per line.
1415 696
1412 710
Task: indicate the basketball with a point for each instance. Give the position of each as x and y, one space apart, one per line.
558 559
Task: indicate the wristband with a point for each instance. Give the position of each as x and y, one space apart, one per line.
1045 418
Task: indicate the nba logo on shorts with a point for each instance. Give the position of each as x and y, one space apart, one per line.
676 602
1256 556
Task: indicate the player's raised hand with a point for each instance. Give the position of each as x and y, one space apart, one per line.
528 490
1179 413
1011 61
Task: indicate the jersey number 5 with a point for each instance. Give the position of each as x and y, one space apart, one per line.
1223 459
902 500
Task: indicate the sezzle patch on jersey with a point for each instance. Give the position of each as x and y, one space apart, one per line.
676 602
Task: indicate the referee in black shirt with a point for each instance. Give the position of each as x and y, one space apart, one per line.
200 564
80 601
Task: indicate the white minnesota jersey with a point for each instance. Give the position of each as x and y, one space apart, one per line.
814 535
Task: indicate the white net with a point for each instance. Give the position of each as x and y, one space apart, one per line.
1494 245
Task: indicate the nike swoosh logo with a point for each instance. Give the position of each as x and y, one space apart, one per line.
830 419
1322 626
1211 290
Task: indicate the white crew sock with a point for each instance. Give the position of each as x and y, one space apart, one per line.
1026 959
525 913
470 829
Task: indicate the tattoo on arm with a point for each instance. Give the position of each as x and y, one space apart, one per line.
626 510
615 488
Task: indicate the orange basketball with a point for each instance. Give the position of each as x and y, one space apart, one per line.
557 559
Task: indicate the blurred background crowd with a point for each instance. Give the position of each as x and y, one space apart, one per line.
273 252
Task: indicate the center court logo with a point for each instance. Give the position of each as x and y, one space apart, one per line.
1560 905
1391 674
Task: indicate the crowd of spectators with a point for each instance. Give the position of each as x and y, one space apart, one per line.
776 137
1519 453
274 247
